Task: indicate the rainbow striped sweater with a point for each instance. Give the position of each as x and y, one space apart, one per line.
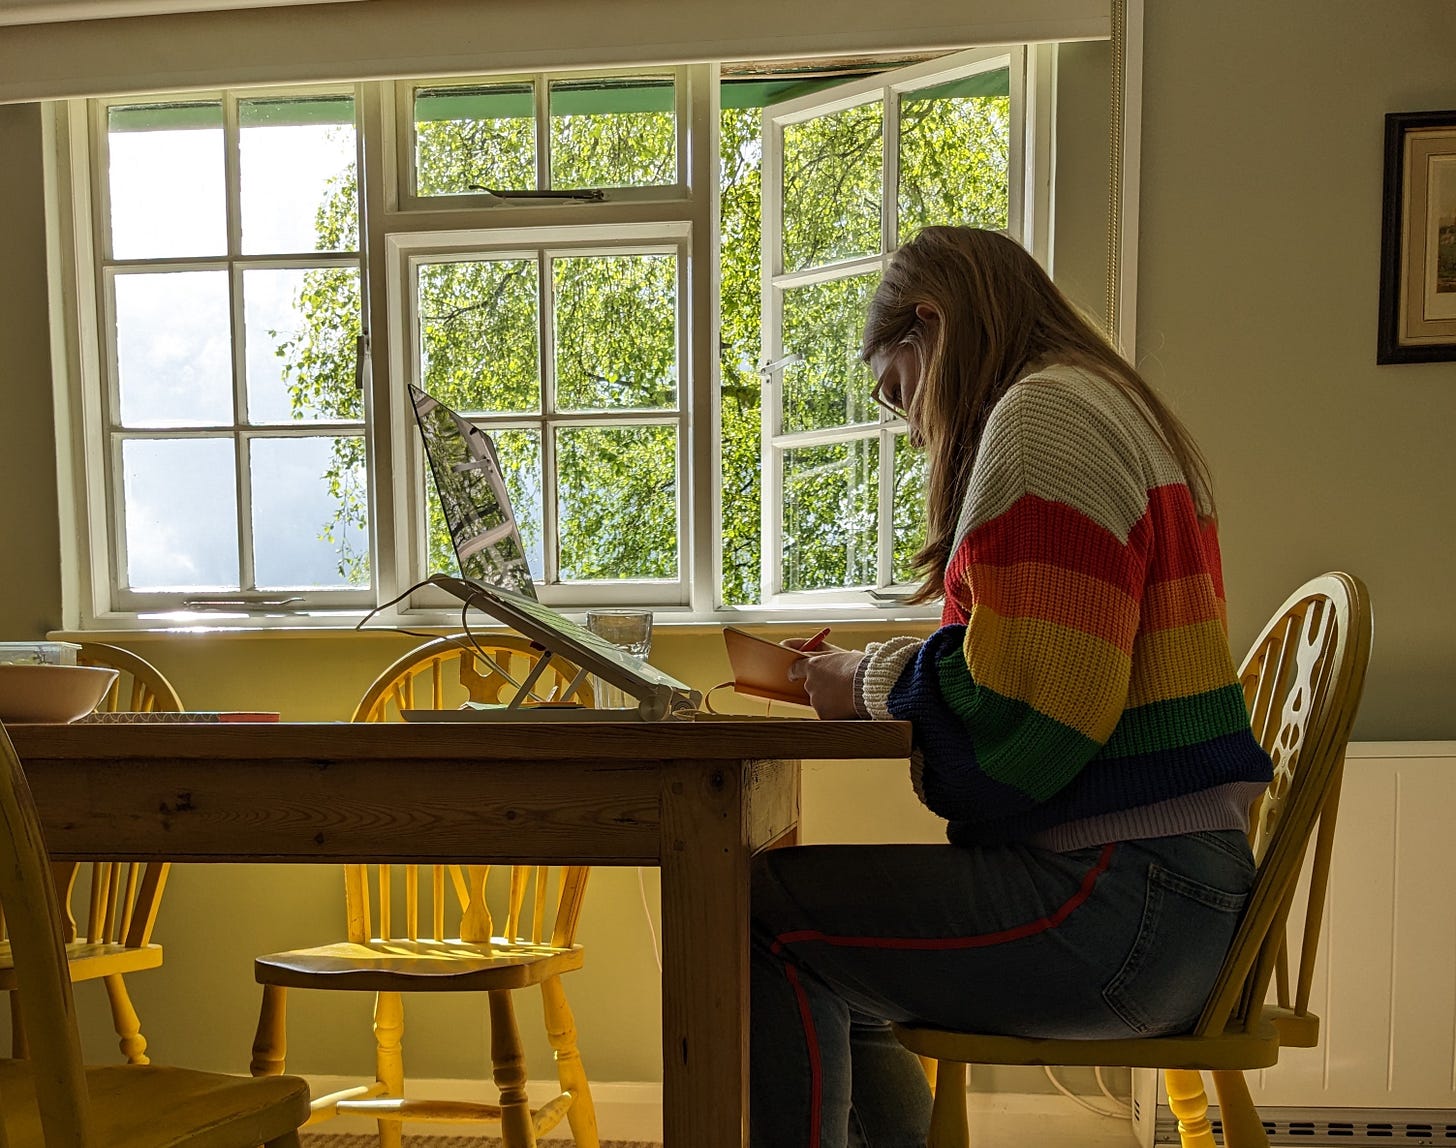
1080 688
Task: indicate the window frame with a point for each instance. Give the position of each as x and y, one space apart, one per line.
1030 74
105 434
409 250
402 180
389 216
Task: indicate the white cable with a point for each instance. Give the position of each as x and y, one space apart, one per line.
647 910
1124 1107
1072 1096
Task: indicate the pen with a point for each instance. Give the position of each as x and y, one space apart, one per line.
816 641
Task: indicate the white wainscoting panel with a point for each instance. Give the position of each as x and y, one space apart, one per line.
1385 980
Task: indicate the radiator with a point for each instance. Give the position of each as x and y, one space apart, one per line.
1385 978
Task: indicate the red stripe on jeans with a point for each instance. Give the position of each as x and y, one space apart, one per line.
980 940
811 1040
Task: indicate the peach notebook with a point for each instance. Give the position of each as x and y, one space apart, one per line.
761 667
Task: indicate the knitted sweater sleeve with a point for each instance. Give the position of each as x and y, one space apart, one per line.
1029 674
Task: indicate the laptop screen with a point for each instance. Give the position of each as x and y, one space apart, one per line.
473 497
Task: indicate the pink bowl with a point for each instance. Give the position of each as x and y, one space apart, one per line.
51 693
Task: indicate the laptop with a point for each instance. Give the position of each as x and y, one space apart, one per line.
496 578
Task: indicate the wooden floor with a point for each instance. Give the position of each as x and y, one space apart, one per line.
351 1140
1074 1129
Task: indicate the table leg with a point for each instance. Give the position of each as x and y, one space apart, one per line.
705 853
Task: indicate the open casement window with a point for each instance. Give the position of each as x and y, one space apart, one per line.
552 137
848 175
566 349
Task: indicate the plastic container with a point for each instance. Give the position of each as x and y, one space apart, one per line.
38 653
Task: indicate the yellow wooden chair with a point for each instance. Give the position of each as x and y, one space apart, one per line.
139 687
49 1099
458 945
122 898
1302 681
446 672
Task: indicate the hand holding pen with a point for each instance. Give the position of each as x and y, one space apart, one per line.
827 674
815 642
809 645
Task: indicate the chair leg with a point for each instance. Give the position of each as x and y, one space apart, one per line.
19 1045
561 1031
270 1042
1242 1127
931 1067
124 1020
1189 1103
389 1059
508 1067
948 1125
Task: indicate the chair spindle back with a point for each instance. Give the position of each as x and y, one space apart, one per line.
532 906
139 687
1302 682
449 671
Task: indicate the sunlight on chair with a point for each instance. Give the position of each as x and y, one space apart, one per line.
414 928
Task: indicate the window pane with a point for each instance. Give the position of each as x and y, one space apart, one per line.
299 328
824 323
479 345
297 165
908 523
955 143
619 132
831 507
617 502
520 459
616 332
310 513
182 214
174 349
180 511
476 134
833 176
739 338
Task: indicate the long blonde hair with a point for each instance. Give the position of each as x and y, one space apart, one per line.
1000 317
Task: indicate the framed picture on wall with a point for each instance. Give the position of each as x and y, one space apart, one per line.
1418 239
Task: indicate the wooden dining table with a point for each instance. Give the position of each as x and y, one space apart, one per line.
695 798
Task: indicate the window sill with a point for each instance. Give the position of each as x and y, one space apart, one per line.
853 627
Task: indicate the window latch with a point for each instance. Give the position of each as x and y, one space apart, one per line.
769 370
587 195
361 362
240 602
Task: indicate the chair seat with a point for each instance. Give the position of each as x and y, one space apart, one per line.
1296 1030
90 961
417 966
1232 1050
142 1106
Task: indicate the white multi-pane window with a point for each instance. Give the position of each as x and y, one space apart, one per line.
849 175
646 286
567 355
215 253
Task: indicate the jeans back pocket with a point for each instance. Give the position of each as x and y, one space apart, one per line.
1185 933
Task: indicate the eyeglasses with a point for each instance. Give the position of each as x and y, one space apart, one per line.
877 393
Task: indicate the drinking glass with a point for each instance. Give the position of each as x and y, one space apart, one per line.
631 630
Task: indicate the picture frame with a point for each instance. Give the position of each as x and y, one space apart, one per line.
1418 239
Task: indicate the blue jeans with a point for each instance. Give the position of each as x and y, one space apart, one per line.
1112 941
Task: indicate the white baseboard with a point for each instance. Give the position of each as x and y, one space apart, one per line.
632 1110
